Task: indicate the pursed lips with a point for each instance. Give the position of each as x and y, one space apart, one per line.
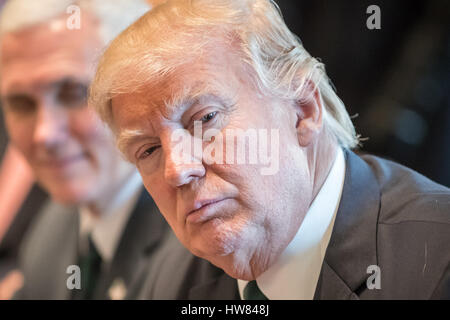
202 205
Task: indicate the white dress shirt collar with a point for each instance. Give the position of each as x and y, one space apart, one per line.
295 274
106 231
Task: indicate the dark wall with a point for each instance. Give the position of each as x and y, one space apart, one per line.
397 78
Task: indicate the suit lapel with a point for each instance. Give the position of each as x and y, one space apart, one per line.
68 251
141 236
352 246
51 249
331 286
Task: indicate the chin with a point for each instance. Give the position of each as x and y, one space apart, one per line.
69 198
216 238
70 194
235 265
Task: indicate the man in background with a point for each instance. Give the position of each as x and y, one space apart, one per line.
20 197
96 238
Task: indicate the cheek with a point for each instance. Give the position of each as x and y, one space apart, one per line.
87 125
93 137
20 134
246 182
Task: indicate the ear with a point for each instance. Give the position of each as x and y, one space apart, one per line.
309 115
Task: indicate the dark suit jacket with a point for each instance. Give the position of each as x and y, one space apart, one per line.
389 216
52 245
10 243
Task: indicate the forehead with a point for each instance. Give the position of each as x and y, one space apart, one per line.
217 72
48 52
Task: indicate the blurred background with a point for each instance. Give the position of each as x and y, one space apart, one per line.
395 81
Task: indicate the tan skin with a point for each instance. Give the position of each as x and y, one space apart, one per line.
257 216
45 72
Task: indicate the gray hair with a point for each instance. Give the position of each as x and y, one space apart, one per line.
113 15
281 64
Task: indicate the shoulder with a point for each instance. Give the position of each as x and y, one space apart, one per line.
176 272
407 196
170 268
48 245
53 221
413 231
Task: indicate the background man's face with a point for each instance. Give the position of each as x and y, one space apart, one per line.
254 216
45 73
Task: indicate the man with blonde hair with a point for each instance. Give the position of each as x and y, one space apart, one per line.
194 91
97 237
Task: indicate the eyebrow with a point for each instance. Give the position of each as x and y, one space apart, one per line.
181 101
188 96
12 90
128 137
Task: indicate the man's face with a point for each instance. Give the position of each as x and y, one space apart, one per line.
45 73
229 214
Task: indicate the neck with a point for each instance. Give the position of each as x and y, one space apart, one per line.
321 157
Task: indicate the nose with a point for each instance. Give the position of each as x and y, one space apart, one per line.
50 127
181 166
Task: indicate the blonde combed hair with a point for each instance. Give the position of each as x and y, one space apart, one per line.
149 49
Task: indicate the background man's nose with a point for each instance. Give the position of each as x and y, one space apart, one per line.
50 127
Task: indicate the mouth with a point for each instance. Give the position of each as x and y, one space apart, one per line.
206 210
63 162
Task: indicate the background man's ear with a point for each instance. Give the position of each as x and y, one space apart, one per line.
309 114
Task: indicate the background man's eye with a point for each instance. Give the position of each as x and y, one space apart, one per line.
208 117
72 94
148 152
20 103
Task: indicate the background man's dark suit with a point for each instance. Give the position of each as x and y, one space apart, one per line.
389 216
10 243
52 246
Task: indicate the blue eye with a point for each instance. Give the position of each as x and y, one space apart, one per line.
208 117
